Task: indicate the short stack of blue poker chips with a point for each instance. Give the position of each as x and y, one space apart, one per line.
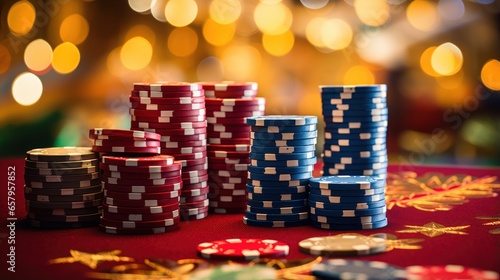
347 202
282 158
356 119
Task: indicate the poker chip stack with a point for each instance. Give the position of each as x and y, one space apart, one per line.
282 160
62 187
347 202
141 188
355 130
228 104
176 111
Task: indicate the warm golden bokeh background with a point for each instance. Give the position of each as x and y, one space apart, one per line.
69 65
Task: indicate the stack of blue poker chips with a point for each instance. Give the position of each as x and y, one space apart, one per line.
347 202
282 158
355 130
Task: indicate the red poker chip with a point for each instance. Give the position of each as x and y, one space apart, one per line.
237 114
172 144
216 173
227 180
234 210
167 107
194 192
167 113
194 173
211 135
229 86
194 210
168 120
193 162
131 134
227 121
449 272
161 160
168 86
168 126
231 94
195 167
141 182
126 149
167 94
198 155
240 167
194 217
141 217
229 198
218 160
141 224
127 143
229 128
227 154
121 138
184 138
140 203
146 210
242 249
224 192
238 108
176 166
195 180
181 132
143 189
137 231
183 150
138 176
141 196
170 101
199 185
226 186
193 205
226 204
258 101
231 141
184 199
229 148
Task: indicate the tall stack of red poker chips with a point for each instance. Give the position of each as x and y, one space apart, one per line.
228 104
176 111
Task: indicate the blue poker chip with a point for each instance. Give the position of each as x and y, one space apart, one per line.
347 220
354 142
357 154
355 160
282 150
361 113
353 101
284 163
346 206
276 197
356 269
327 97
346 199
281 129
333 226
284 135
275 157
366 172
284 143
351 107
347 182
278 210
277 184
356 166
356 148
335 192
335 119
274 224
279 177
276 190
277 204
277 217
280 170
348 212
357 125
281 120
356 136
341 131
353 88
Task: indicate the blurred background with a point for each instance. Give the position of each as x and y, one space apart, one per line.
68 65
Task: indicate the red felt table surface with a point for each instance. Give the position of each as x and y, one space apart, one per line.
35 247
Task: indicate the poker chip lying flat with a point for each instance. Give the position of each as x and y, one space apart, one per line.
342 245
356 269
242 249
131 134
274 224
449 272
358 226
278 120
56 154
235 271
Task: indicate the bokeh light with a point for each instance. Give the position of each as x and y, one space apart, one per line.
447 59
27 89
182 41
225 11
372 12
181 12
336 34
423 15
278 45
272 19
358 75
5 59
38 55
313 31
143 31
140 6
21 18
425 62
158 10
314 4
74 29
451 9
218 34
66 58
210 69
490 74
136 53
240 62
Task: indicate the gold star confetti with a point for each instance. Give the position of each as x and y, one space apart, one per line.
433 229
496 222
393 242
92 260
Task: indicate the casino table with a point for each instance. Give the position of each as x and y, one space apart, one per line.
438 215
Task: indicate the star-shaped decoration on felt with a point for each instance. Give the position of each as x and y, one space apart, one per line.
495 222
433 229
92 260
393 242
